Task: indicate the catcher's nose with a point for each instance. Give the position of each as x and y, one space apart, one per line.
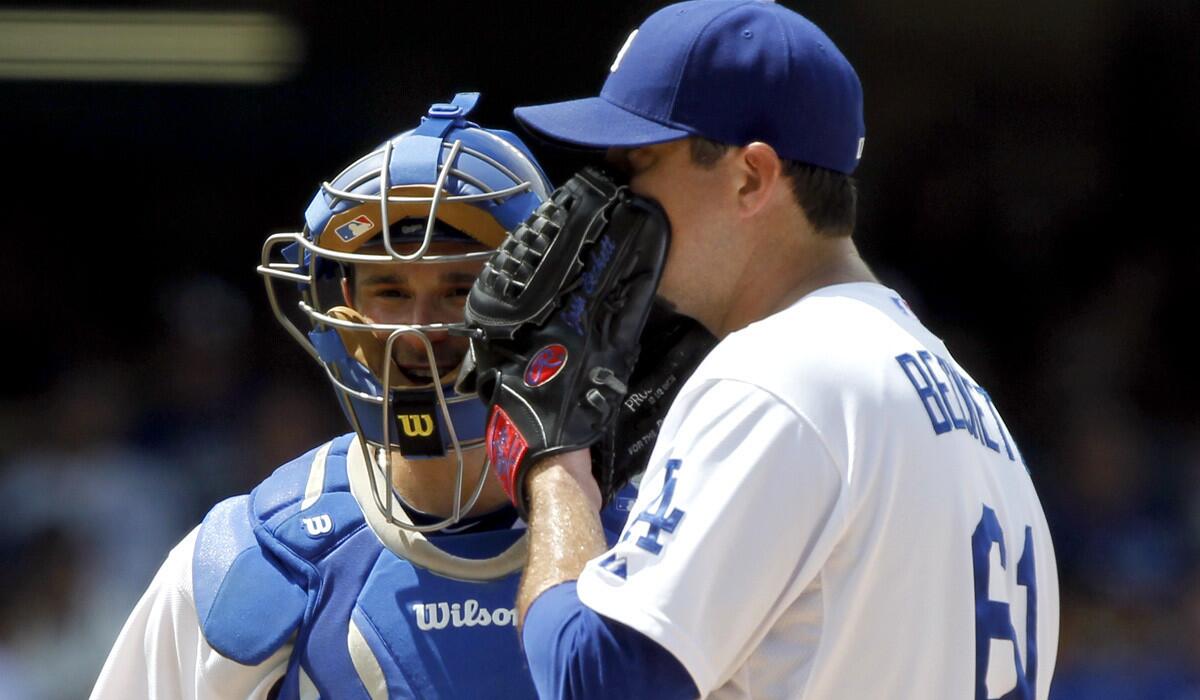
428 311
414 345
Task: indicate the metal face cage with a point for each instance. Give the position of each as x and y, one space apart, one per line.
459 177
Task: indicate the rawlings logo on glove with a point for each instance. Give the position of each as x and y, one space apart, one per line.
545 365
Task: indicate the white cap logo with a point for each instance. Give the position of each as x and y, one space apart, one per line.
621 54
861 142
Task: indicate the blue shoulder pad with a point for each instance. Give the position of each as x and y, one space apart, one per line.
246 605
284 489
305 509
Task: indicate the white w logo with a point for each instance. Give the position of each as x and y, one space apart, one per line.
318 525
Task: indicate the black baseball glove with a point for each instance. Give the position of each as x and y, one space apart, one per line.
673 345
555 319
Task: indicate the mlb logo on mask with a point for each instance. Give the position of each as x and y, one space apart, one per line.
354 228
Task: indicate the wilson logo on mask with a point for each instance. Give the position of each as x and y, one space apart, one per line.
418 425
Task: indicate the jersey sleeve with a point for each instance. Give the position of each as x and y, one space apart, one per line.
742 504
585 655
161 653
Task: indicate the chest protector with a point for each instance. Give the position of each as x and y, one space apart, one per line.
295 561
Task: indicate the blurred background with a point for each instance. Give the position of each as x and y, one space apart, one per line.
1019 186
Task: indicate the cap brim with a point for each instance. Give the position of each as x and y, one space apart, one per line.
594 122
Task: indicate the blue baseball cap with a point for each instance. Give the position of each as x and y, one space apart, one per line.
733 71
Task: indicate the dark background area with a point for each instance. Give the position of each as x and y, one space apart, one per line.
1027 184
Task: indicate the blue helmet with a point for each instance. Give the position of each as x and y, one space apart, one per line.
448 179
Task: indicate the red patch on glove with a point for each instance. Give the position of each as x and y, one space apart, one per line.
506 448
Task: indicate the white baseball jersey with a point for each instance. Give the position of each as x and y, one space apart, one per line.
835 509
162 653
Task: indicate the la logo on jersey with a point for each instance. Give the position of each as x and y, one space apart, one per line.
660 517
436 616
354 227
317 525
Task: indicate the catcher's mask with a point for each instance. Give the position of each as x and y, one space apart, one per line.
446 180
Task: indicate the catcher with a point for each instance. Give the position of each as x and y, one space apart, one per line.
382 563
